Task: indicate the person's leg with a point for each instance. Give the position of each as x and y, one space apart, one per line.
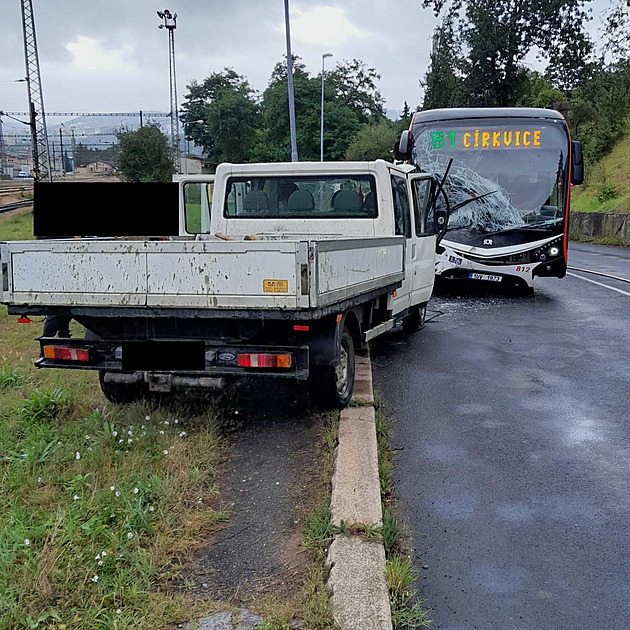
57 324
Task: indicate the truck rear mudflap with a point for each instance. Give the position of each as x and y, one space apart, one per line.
187 363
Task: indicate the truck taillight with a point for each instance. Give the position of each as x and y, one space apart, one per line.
66 353
265 360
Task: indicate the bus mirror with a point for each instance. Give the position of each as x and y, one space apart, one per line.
402 148
577 166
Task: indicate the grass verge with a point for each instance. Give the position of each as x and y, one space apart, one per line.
99 505
407 611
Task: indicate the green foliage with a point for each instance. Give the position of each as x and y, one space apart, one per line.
145 155
373 142
236 126
11 377
400 580
443 83
44 406
498 35
226 105
607 192
391 532
318 530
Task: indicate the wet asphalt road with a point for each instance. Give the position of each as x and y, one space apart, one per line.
512 429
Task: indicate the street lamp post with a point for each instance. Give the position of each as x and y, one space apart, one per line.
321 142
287 23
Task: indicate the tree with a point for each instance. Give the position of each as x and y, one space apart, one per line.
226 104
499 34
341 122
443 82
373 142
145 155
356 87
617 30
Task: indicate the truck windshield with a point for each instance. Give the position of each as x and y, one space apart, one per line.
506 174
308 197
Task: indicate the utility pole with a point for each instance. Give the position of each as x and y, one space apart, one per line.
73 147
41 157
140 119
3 152
321 142
63 162
170 24
287 23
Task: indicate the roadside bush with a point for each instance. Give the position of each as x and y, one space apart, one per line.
607 192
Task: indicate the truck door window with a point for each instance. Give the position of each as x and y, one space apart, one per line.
424 210
302 197
197 206
402 218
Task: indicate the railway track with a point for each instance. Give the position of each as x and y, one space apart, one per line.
15 191
7 207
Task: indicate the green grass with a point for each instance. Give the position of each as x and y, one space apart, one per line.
18 227
62 449
611 173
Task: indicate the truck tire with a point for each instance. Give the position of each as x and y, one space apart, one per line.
331 387
415 320
120 393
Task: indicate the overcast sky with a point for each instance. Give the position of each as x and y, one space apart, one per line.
109 55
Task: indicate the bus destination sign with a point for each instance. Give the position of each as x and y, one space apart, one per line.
485 139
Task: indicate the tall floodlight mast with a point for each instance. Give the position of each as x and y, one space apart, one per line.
41 156
170 24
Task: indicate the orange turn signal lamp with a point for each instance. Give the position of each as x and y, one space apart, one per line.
265 360
65 353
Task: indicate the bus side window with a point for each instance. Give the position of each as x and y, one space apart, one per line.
402 218
423 208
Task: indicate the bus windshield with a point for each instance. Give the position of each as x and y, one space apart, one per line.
505 174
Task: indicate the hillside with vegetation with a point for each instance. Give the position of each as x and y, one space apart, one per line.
607 183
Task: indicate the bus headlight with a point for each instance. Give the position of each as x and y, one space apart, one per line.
554 251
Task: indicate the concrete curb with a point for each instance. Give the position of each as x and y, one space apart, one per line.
357 584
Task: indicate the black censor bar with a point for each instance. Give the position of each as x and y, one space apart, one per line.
66 209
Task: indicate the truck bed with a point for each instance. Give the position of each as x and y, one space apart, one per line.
214 274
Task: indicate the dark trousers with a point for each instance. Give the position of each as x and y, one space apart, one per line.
57 324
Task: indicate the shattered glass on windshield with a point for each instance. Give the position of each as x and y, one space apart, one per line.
493 189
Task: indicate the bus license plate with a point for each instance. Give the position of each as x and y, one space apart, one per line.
485 276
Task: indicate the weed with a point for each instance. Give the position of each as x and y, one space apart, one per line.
11 377
400 577
318 530
391 532
42 406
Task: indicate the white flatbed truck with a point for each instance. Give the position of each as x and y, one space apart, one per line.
279 270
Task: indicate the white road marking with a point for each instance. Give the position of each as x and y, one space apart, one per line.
599 284
599 273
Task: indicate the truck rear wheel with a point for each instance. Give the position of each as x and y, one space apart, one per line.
331 387
415 320
120 393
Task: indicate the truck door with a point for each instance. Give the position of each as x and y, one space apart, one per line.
425 230
403 227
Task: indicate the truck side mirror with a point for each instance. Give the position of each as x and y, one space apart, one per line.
577 166
402 148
